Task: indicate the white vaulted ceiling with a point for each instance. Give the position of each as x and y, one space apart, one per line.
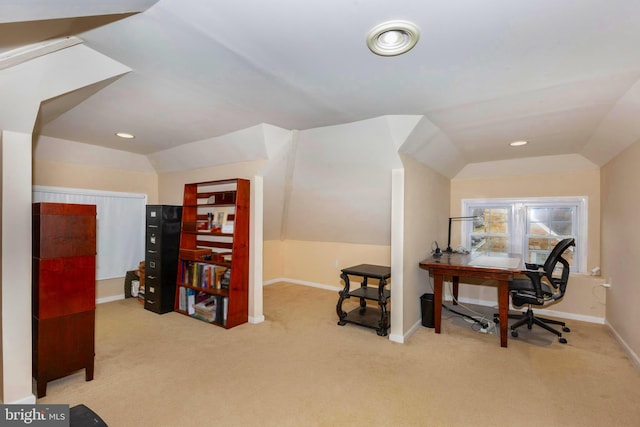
562 74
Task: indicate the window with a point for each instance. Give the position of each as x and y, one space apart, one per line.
528 226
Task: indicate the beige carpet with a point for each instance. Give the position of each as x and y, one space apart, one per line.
299 368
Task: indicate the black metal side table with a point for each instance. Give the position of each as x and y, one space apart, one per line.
370 317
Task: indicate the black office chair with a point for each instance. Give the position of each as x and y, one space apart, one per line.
533 291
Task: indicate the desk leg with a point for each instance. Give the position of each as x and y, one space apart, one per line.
456 281
503 309
437 301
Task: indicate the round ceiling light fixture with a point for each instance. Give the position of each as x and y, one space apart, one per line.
125 135
518 143
393 38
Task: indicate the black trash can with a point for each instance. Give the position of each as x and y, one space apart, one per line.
426 301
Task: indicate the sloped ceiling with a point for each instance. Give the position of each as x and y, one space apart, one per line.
562 75
293 82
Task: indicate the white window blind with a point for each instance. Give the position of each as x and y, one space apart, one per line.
120 225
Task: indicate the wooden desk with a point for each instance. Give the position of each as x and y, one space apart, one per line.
460 265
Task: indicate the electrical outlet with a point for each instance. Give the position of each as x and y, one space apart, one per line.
335 263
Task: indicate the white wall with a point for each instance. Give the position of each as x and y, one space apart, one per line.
15 271
620 249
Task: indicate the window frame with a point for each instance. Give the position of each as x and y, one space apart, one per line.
518 221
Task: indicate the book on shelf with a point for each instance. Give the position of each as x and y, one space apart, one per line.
211 309
191 301
219 272
225 310
225 279
187 300
205 275
227 227
182 300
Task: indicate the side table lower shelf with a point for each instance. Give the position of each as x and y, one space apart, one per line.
369 317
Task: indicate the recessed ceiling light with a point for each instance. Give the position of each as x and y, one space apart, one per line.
393 38
125 135
518 143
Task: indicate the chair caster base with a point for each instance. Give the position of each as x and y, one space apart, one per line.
514 334
565 329
562 340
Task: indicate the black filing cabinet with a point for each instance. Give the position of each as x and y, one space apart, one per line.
162 245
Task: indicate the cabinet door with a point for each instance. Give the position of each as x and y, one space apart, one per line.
64 344
57 236
63 286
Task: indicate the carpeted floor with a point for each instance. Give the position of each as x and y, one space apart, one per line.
298 368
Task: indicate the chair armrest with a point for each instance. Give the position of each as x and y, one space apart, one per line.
536 280
529 266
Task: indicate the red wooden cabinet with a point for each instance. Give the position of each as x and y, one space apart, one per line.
63 291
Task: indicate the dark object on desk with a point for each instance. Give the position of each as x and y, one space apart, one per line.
533 291
436 252
426 304
458 218
369 317
82 416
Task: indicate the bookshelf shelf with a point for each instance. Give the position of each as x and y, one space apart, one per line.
213 264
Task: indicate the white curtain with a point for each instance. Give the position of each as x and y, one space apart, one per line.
120 225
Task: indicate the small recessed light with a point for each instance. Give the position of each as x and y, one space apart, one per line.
393 38
518 143
125 135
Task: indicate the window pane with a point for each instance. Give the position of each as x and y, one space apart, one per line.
491 231
478 242
538 214
561 228
540 244
538 229
552 221
539 249
497 244
561 214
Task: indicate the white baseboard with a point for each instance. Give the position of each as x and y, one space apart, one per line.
632 355
542 311
109 299
256 319
302 282
28 400
402 338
